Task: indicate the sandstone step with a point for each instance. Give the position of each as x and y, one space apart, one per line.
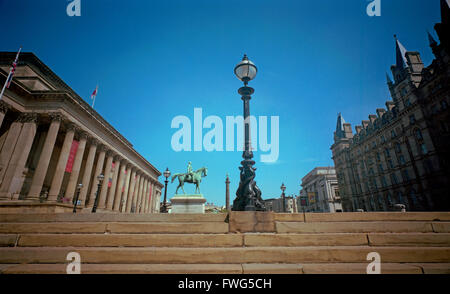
409 239
124 269
206 255
352 227
7 239
361 268
325 239
434 268
441 227
111 217
124 227
130 240
376 216
267 268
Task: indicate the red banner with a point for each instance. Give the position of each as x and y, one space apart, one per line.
72 153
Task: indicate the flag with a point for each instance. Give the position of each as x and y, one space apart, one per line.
94 93
13 69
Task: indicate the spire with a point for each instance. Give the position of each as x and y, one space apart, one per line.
388 79
400 54
431 40
445 12
340 126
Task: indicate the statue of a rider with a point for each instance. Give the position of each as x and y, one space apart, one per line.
189 173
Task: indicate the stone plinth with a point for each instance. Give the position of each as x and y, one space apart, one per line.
188 203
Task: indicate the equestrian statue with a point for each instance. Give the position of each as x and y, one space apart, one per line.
193 177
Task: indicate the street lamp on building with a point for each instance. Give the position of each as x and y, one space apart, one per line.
248 195
283 197
100 179
166 175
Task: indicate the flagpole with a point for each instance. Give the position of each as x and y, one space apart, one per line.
10 73
93 101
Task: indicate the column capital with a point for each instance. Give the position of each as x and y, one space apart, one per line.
102 147
110 153
93 141
4 107
83 135
71 127
56 116
117 158
28 117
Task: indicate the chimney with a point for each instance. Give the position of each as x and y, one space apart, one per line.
358 129
372 118
390 105
380 112
365 123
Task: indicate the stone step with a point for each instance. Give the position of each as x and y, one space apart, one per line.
357 227
207 255
130 240
376 216
110 217
409 239
305 268
124 227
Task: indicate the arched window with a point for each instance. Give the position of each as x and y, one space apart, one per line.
418 134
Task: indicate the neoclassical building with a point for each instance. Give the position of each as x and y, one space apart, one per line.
51 141
401 155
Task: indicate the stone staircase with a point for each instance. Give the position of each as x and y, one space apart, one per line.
241 242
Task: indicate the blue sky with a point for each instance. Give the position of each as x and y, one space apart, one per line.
154 60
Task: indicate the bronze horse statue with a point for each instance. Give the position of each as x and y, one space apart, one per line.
194 178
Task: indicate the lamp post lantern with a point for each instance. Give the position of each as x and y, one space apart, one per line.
100 179
283 188
166 175
77 195
248 195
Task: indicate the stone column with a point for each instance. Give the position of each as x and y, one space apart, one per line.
13 179
139 195
125 191
120 186
73 179
112 191
136 190
88 171
55 187
97 172
145 197
3 110
227 194
8 146
44 158
104 190
152 205
131 190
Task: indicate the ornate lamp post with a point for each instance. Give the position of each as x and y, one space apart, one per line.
248 194
100 179
283 188
77 195
166 175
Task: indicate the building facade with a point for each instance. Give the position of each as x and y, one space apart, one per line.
276 204
401 154
320 188
51 141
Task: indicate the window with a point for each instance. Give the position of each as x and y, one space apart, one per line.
444 104
386 151
406 175
412 119
394 179
378 156
418 134
413 197
374 144
380 202
380 168
400 197
389 199
391 165
383 181
434 109
407 102
393 134
383 139
375 184
401 159
398 148
423 148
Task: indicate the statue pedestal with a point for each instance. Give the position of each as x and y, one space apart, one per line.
188 203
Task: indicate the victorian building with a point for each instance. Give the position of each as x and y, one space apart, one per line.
320 188
401 154
51 141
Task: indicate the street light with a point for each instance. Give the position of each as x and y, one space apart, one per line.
166 175
76 197
100 179
283 188
248 195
